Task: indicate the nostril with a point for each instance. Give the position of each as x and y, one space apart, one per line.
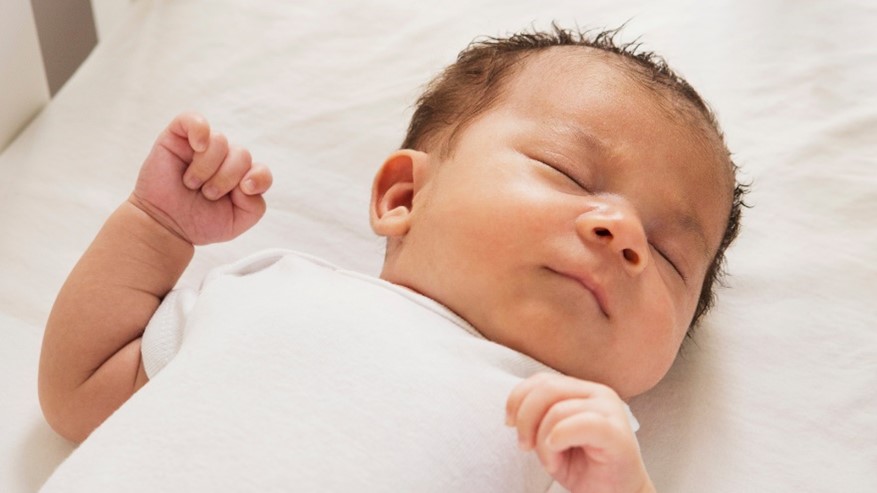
603 233
630 256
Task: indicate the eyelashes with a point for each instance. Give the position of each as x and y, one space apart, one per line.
568 176
574 180
667 259
578 183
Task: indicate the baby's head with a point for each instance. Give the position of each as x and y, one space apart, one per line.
570 198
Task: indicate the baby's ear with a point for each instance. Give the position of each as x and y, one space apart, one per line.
393 190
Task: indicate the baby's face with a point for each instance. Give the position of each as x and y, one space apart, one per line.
574 222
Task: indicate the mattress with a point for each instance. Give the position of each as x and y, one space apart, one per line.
776 391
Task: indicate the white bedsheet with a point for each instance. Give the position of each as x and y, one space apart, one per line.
777 392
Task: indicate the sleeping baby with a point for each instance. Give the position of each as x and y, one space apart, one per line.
555 221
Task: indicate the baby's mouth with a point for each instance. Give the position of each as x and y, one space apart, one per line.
589 284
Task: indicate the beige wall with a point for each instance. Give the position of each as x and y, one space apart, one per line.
42 43
23 87
67 35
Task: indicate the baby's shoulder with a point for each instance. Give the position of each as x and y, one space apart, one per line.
266 259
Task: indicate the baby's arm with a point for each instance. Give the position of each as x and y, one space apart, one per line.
581 433
193 189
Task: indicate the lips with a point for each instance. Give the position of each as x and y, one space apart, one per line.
591 285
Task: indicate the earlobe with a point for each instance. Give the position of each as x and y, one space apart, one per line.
393 191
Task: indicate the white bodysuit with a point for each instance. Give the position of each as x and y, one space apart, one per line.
287 374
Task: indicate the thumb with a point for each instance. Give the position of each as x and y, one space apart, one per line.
248 209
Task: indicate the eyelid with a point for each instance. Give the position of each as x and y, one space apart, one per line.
564 173
672 264
578 183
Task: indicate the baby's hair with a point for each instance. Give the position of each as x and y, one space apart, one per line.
474 83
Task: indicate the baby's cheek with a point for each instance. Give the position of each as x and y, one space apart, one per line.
663 317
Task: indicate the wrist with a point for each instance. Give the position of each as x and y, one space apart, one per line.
132 252
153 234
153 218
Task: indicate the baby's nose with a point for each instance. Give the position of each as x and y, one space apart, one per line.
618 229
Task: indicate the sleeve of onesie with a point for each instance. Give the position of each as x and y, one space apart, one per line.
164 332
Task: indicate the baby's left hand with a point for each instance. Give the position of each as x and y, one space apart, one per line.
581 433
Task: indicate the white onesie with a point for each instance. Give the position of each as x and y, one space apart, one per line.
287 374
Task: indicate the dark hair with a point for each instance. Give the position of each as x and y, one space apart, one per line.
473 84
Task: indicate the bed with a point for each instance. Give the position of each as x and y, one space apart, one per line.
776 391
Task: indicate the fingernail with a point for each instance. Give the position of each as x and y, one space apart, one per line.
193 182
210 192
248 185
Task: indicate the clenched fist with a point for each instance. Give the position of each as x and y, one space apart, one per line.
198 186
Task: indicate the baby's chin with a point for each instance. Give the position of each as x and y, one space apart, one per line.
629 375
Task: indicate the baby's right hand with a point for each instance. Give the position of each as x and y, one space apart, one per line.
197 186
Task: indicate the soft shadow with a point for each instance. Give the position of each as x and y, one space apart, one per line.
679 414
42 450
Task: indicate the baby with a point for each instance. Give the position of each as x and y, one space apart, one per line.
555 221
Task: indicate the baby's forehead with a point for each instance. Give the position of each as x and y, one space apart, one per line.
594 96
542 75
592 69
562 75
583 62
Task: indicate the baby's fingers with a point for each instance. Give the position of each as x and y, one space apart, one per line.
186 134
540 395
236 164
206 163
248 209
604 438
189 133
550 456
192 127
257 181
517 395
580 437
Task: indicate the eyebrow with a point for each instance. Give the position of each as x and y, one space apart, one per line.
582 137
